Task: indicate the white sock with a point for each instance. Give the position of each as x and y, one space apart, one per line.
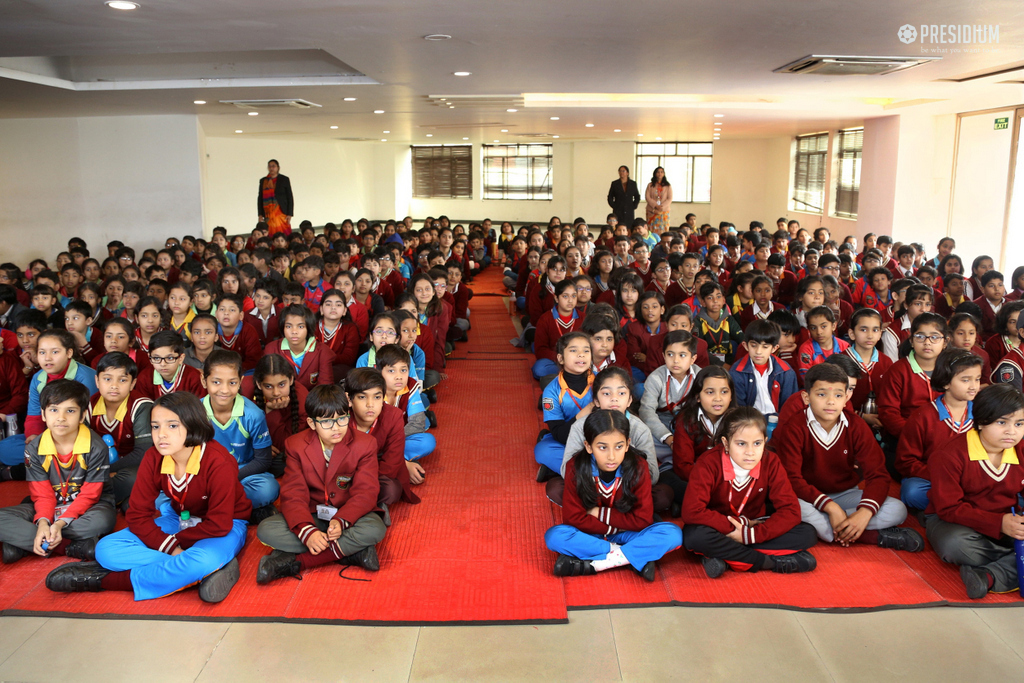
614 558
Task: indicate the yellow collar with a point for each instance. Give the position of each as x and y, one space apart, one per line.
191 467
83 442
101 409
975 451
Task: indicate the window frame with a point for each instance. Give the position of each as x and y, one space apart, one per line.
688 194
532 191
807 159
459 162
848 197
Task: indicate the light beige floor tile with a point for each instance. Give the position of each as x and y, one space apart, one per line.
911 645
582 650
85 650
1006 623
311 652
713 644
16 630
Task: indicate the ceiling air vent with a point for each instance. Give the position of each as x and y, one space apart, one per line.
835 65
267 104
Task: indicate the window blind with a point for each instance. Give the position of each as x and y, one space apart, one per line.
851 148
440 171
809 176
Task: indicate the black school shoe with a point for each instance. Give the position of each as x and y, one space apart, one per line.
545 473
277 565
647 573
975 581
365 558
899 538
261 513
82 549
714 566
76 577
572 566
431 418
796 563
217 585
12 553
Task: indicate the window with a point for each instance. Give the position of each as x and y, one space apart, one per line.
687 166
517 172
851 147
809 179
442 171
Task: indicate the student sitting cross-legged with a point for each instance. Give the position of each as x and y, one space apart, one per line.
329 507
198 534
566 399
68 473
827 454
972 520
739 503
607 514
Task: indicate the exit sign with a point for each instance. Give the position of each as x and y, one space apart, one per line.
1002 123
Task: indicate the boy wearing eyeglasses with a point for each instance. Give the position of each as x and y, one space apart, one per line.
169 374
329 507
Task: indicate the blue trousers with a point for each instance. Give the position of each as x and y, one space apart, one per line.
419 445
914 492
638 376
549 452
544 367
155 574
261 489
639 547
12 450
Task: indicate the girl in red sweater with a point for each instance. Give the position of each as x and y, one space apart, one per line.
198 542
312 360
562 319
607 513
338 332
972 520
907 384
277 392
726 507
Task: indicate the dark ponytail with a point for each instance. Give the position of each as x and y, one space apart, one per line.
600 422
276 364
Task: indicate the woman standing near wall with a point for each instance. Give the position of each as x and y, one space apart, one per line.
624 197
659 202
275 205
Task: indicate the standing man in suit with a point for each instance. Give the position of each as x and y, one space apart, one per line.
274 204
624 197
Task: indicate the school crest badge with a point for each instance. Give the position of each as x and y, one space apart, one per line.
343 482
805 358
313 376
548 403
1006 375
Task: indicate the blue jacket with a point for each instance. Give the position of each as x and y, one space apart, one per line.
781 382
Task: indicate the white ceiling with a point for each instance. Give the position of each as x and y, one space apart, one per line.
724 53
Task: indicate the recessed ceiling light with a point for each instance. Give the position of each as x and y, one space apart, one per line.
465 138
385 132
198 101
462 73
383 139
496 141
350 99
430 135
504 130
122 4
254 113
378 111
437 36
657 138
554 136
554 118
639 135
334 128
451 106
511 111
589 125
719 116
618 130
238 131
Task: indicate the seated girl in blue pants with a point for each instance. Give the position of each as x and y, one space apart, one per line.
241 427
200 532
935 425
566 399
404 393
606 509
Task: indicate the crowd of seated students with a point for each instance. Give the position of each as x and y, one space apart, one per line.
767 389
282 381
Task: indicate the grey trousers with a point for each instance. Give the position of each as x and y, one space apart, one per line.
123 481
368 530
892 513
961 545
18 529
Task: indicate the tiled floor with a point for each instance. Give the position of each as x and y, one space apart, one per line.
653 644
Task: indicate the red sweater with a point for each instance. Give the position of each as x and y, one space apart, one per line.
538 302
317 363
245 342
389 432
273 326
688 446
550 330
213 494
870 379
712 497
816 469
609 519
677 294
969 492
189 379
461 296
923 435
279 421
645 275
13 386
901 392
348 482
640 339
996 348
988 318
343 342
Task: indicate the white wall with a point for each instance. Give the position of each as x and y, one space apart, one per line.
331 180
131 178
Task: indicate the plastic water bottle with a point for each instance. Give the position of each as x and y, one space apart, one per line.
12 425
773 422
186 521
1018 549
112 452
46 546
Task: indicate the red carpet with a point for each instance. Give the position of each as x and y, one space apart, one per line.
473 550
